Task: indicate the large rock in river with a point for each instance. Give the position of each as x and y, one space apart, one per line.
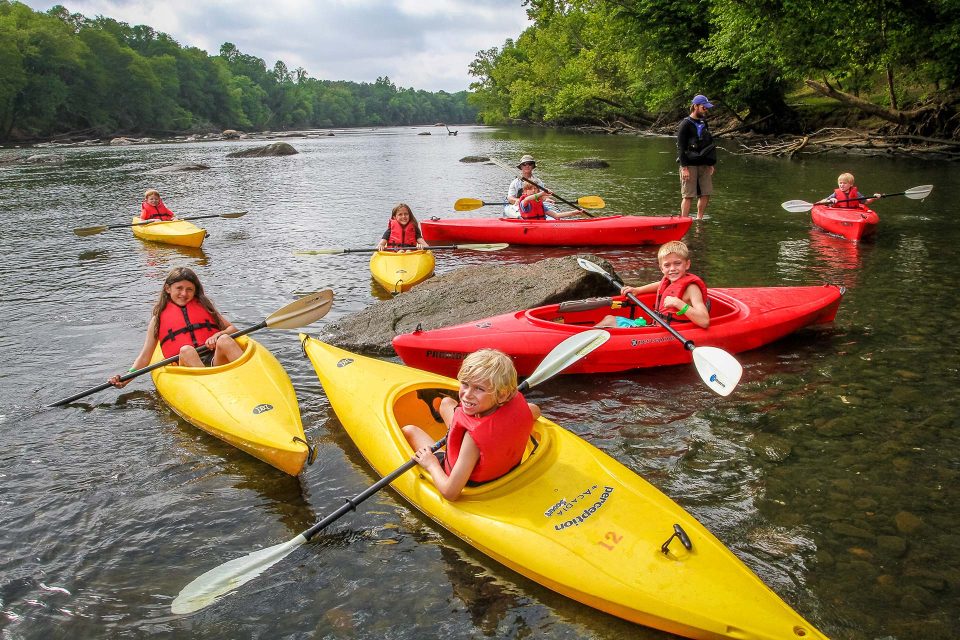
274 149
466 294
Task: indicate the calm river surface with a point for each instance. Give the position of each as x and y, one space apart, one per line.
832 471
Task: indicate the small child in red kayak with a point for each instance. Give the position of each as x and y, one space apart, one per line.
403 230
533 204
681 296
184 319
487 431
846 195
152 207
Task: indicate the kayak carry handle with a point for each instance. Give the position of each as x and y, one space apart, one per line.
678 532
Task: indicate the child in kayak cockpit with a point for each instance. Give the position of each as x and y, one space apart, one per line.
487 431
847 195
403 230
681 296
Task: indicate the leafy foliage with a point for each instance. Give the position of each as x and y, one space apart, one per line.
63 72
599 60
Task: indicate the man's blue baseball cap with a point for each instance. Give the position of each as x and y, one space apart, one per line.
702 99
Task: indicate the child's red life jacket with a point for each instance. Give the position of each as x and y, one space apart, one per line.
676 290
532 210
158 212
402 236
849 200
182 326
500 436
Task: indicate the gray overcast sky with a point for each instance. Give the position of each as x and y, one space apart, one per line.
425 44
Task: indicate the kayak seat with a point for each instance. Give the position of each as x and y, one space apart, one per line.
432 397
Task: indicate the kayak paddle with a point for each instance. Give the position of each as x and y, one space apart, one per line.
472 247
566 202
915 193
717 368
469 204
225 578
295 315
89 231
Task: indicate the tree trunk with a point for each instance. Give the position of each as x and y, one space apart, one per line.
895 116
893 94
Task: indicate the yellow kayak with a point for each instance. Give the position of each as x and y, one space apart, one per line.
178 232
569 517
398 271
249 403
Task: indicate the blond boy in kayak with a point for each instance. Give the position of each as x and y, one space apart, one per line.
681 296
487 431
846 194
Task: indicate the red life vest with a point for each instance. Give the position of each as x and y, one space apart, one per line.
500 436
158 212
676 290
402 236
181 326
532 210
848 200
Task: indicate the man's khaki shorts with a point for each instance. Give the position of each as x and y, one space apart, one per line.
700 182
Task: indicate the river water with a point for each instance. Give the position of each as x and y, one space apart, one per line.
831 471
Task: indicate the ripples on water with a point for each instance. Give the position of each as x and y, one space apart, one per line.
831 471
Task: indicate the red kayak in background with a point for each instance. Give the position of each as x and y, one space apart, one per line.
608 230
852 223
740 319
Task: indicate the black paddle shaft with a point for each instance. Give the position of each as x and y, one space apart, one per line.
687 344
202 351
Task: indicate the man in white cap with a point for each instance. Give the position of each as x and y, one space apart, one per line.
515 190
697 155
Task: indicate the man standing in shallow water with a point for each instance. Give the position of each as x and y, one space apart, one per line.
697 155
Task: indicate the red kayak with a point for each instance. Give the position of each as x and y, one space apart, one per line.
608 230
851 223
740 319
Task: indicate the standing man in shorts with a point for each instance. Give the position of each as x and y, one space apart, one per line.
697 155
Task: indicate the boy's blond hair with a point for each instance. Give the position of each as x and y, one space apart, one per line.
530 186
674 246
847 177
492 367
151 192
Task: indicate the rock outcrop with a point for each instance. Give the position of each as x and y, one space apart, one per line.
466 294
274 149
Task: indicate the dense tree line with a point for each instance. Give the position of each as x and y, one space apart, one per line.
61 72
640 60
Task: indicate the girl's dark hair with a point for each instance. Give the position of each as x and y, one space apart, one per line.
177 275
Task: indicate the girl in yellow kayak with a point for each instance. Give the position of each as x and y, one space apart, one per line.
487 431
183 320
152 207
403 230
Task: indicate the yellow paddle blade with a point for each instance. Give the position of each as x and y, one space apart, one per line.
90 231
302 311
591 202
467 204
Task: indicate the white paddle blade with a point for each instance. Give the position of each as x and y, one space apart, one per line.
566 353
919 193
797 206
718 369
492 246
221 580
591 266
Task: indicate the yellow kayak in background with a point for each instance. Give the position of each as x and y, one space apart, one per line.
398 271
178 232
569 517
249 403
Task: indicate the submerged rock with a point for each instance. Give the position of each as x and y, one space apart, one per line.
274 149
185 166
588 163
466 294
475 159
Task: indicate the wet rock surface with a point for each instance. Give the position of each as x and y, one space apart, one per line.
270 150
467 294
